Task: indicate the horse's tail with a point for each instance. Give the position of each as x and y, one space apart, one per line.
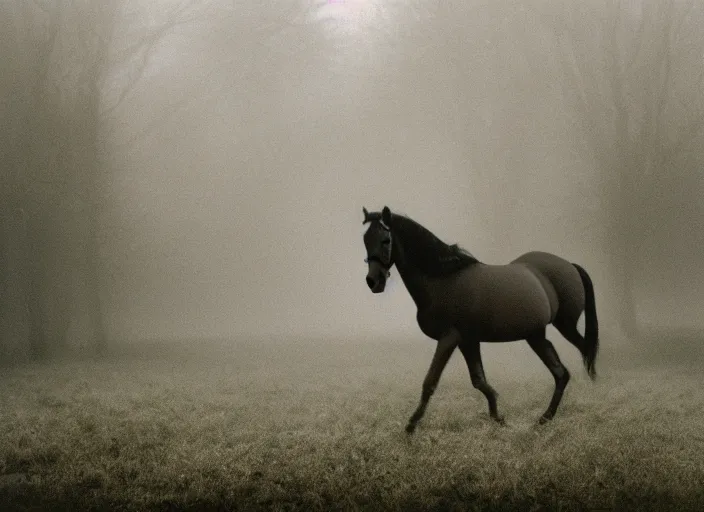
591 324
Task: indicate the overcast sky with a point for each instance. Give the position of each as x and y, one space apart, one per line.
242 159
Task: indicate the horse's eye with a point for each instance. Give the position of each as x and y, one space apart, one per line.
385 242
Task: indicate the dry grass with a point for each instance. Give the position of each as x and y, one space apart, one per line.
312 426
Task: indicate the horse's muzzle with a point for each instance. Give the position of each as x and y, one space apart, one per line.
376 284
376 276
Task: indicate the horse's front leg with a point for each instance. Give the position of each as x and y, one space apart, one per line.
473 357
443 351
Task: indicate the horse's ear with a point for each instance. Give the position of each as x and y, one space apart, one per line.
366 215
386 216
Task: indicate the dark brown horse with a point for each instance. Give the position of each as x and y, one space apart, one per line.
462 302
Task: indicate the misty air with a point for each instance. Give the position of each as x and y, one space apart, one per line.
351 254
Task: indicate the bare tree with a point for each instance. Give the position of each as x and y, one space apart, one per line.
58 55
69 69
635 74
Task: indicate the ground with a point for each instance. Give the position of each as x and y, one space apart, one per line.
318 425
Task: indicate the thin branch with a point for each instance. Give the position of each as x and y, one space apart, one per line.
684 137
664 67
649 104
44 6
572 72
687 11
135 74
615 70
175 107
142 49
586 105
43 49
638 42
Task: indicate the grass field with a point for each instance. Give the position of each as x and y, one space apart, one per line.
319 426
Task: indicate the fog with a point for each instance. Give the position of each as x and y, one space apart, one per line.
198 169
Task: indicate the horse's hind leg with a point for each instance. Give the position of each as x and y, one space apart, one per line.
570 333
472 355
547 354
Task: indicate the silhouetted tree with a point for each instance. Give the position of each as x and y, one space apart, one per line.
67 69
56 58
635 74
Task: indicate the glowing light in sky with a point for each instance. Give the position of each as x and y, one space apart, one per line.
356 14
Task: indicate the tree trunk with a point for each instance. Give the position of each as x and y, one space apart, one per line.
627 307
33 290
93 285
621 193
629 243
94 200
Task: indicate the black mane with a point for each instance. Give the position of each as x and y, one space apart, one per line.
427 252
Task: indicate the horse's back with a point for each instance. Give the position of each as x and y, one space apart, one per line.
564 278
506 302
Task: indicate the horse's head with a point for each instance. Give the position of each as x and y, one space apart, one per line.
378 242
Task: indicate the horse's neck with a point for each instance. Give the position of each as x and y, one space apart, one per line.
416 283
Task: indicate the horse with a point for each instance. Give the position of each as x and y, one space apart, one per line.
462 302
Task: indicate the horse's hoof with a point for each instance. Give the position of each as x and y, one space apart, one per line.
543 420
500 420
410 428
